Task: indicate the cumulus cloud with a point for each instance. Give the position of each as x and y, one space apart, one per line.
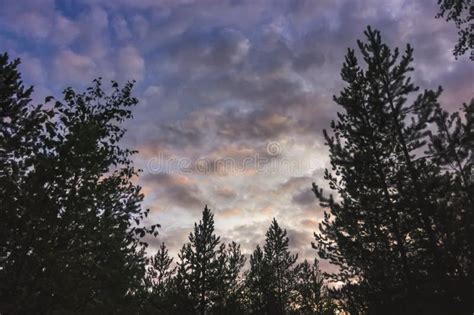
121 28
223 79
225 192
176 189
130 63
230 212
309 223
71 67
254 125
34 25
65 31
304 197
32 69
221 48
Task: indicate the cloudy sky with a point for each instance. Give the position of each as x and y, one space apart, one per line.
234 94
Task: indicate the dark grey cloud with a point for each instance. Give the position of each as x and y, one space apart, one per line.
225 193
294 183
182 133
299 240
304 197
173 239
255 125
176 189
215 48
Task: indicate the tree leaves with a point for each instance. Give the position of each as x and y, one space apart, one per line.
68 204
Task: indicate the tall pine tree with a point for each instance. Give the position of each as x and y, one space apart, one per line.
228 297
451 150
279 262
199 267
256 283
385 231
158 282
311 294
270 280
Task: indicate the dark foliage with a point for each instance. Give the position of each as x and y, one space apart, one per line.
311 294
400 229
461 12
399 225
159 283
70 233
275 284
208 278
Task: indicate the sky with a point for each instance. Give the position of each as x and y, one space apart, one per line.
234 94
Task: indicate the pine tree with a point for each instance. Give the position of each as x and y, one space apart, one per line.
279 262
312 295
72 217
158 281
385 230
159 270
256 283
198 269
180 299
270 280
228 297
451 150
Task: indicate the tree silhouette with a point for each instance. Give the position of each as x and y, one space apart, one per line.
180 299
385 230
451 150
199 263
270 280
71 216
312 295
20 142
256 283
399 229
279 263
158 280
228 297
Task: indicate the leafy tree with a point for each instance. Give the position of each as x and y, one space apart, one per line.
71 225
461 12
386 230
21 136
198 269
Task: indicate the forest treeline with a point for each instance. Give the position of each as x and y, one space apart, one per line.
208 277
398 224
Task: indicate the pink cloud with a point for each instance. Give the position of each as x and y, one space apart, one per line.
71 67
130 64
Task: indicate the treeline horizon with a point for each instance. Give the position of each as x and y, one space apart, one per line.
209 277
398 222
